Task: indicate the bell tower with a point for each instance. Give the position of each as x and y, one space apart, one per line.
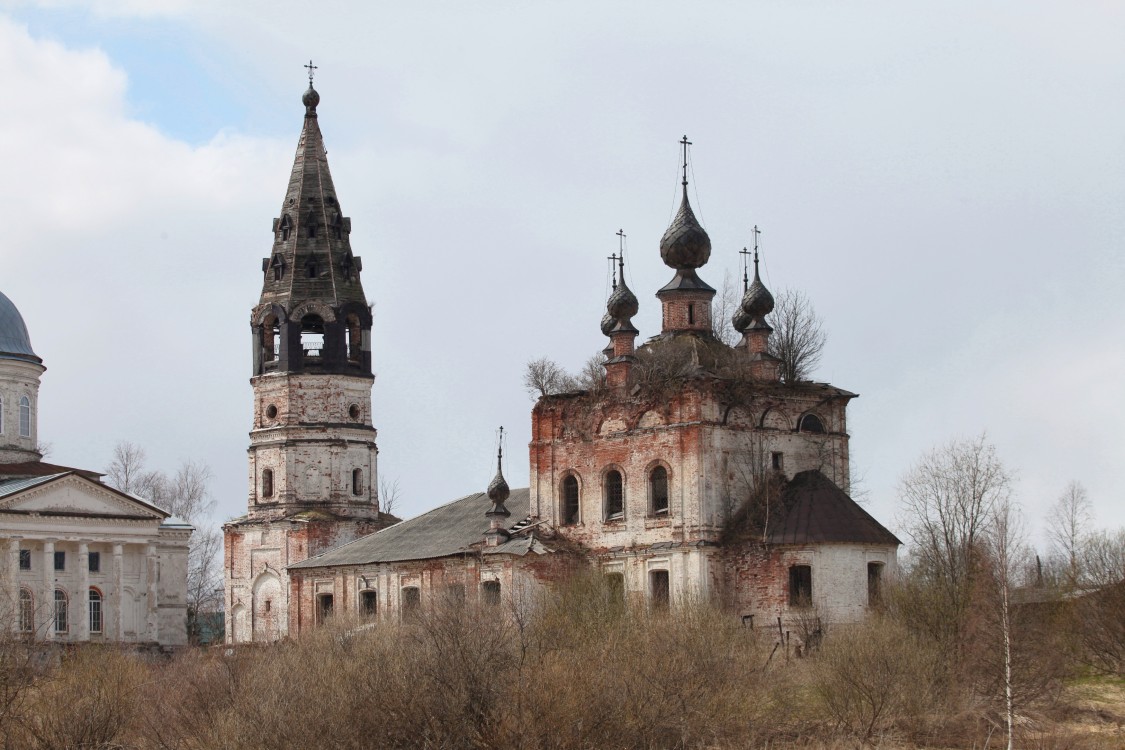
312 456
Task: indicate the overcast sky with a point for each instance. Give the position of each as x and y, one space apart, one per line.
944 181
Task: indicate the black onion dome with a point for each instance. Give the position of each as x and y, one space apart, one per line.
741 321
622 303
310 99
608 322
757 302
685 244
498 490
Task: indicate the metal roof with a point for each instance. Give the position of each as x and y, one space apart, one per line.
817 511
12 486
14 341
447 530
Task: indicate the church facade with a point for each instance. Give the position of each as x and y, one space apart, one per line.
80 560
692 471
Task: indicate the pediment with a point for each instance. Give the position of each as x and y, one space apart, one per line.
72 494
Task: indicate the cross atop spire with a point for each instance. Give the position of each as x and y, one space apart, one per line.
500 449
685 143
746 266
312 70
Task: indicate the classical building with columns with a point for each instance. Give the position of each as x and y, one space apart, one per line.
81 561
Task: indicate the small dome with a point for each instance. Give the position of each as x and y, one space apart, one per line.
607 323
14 341
498 490
622 304
310 98
741 321
757 302
685 244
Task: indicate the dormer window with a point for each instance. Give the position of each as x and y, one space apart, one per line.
337 226
284 227
277 263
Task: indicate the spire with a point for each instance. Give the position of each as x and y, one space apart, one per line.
498 492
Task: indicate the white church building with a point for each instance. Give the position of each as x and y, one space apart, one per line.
79 560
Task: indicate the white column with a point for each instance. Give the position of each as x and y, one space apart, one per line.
150 597
47 600
80 600
118 596
12 580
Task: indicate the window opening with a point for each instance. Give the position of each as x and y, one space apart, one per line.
271 339
310 223
312 335
27 611
490 593
411 601
368 603
811 423
874 583
353 337
323 608
285 226
570 500
25 559
800 586
95 611
267 483
60 611
777 460
691 314
25 417
658 488
614 496
658 588
357 481
94 562
615 586
60 560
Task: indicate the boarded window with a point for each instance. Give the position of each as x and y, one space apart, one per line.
800 586
658 588
323 608
368 603
614 496
874 583
490 593
658 489
570 500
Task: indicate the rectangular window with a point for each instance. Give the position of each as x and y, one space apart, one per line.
60 560
323 608
368 603
800 586
691 315
27 611
874 583
60 612
658 588
778 461
95 562
490 593
25 559
95 611
411 602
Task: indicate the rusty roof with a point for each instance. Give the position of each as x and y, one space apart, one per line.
817 511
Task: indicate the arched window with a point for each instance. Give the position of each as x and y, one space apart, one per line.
27 611
357 481
658 490
312 335
61 624
95 611
570 500
614 496
25 417
267 483
271 339
811 423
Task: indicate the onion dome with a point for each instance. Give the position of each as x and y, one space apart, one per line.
756 304
608 321
498 490
14 340
310 99
685 244
622 304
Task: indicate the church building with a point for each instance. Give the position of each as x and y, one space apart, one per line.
692 471
80 560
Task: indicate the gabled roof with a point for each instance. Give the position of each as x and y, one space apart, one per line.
817 511
121 506
42 469
449 529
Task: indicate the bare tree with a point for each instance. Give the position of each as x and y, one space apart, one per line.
723 309
127 466
948 500
798 337
545 377
1004 540
389 494
592 375
1067 527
